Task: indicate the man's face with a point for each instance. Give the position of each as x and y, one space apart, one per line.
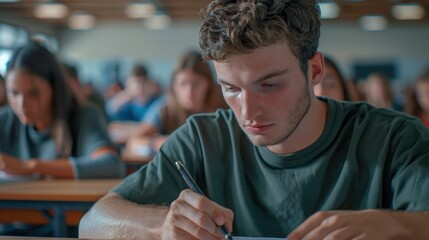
268 92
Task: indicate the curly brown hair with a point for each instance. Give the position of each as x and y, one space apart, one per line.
233 27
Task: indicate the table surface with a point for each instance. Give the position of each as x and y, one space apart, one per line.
58 190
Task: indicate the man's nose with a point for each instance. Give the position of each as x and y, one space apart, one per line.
250 105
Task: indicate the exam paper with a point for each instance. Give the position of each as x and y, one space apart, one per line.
260 238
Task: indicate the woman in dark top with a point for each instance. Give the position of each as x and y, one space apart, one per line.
45 132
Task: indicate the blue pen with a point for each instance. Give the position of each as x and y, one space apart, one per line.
194 187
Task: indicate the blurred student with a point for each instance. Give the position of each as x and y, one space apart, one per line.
192 90
333 84
139 94
45 132
417 102
128 107
379 92
3 99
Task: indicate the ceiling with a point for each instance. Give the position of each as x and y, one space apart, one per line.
114 10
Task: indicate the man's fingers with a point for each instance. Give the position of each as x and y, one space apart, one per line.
308 225
190 230
200 218
228 213
326 227
218 214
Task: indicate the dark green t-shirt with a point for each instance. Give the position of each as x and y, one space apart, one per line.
365 158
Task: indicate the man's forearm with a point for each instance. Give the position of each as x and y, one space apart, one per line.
115 218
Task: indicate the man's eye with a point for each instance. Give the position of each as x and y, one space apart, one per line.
231 89
269 85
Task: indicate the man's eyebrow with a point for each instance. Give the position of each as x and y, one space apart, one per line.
263 78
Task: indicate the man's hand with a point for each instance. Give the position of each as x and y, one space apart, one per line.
193 216
362 225
13 165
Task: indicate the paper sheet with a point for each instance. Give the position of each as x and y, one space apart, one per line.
8 178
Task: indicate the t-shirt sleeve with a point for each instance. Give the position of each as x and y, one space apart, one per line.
159 181
91 132
410 167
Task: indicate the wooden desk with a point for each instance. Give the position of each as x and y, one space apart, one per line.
58 196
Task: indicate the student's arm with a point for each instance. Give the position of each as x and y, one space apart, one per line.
58 168
366 224
115 218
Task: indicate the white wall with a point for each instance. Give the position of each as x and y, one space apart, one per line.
406 45
129 43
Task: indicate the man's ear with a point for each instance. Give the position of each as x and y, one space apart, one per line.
316 68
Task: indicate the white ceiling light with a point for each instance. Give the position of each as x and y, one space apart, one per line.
157 22
408 11
81 21
373 23
51 10
329 10
140 10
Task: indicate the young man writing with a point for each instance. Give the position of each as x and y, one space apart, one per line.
281 162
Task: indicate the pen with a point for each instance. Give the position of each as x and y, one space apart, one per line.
194 187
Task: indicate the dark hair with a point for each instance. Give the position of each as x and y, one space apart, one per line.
329 61
3 98
139 70
71 70
233 27
37 60
172 115
411 105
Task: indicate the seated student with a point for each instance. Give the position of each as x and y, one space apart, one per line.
281 162
192 90
132 103
3 99
128 107
333 84
417 101
45 132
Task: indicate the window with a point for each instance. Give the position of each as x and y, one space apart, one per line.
5 55
11 37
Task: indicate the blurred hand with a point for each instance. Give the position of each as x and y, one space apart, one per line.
193 216
338 225
13 165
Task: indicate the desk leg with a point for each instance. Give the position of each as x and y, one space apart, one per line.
59 222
